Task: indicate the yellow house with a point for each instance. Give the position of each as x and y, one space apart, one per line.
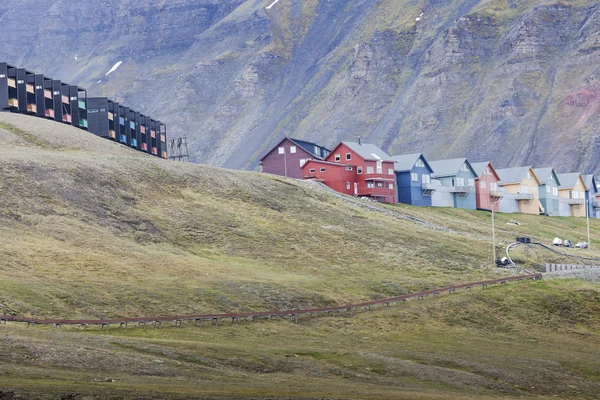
571 192
521 188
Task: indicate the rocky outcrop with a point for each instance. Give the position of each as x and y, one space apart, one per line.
506 82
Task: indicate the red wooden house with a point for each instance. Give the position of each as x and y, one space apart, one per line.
289 155
356 169
487 190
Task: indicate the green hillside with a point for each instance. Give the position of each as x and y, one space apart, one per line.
92 229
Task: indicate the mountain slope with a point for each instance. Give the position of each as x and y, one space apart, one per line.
514 82
90 228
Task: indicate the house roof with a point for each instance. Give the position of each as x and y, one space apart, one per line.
514 175
406 162
569 180
590 182
300 143
308 146
368 151
479 168
544 173
448 167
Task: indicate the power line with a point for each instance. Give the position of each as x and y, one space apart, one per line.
178 149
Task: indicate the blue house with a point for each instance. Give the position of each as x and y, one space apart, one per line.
590 196
455 181
413 180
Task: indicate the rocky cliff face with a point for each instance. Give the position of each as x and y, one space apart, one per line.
512 81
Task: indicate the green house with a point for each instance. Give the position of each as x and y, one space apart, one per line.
548 189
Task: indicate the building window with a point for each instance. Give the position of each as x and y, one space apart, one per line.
348 168
471 182
379 167
460 181
390 171
369 170
370 185
464 167
525 189
359 170
312 170
488 171
426 178
529 175
302 161
281 150
379 184
414 177
548 189
338 158
347 185
482 185
292 149
493 186
419 163
348 156
390 186
322 170
555 191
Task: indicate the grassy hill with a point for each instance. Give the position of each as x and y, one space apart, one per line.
92 229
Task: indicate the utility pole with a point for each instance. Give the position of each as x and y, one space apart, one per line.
587 217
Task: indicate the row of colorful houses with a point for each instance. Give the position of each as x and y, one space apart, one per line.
365 170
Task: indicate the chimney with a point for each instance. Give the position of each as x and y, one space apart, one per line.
359 141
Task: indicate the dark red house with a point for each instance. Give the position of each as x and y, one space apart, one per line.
289 156
356 169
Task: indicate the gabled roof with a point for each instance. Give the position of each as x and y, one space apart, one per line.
449 167
309 146
406 162
544 173
298 143
515 175
569 181
590 182
367 151
479 168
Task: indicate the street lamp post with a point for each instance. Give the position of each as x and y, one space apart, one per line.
587 217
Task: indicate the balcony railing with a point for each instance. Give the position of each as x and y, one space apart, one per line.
67 118
496 194
164 154
154 151
111 116
142 129
163 138
83 123
376 177
47 93
429 186
65 99
30 88
153 133
32 108
13 103
81 104
524 196
574 202
49 113
12 83
460 189
376 191
145 146
112 134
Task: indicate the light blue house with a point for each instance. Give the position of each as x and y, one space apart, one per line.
548 190
413 180
590 196
454 183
